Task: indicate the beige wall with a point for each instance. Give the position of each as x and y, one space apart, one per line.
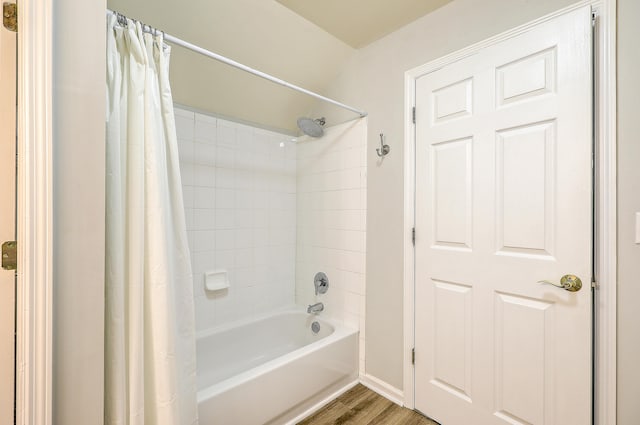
374 81
628 205
78 211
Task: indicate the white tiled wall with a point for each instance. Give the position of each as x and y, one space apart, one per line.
239 186
273 213
331 221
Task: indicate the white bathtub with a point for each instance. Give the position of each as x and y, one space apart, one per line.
272 370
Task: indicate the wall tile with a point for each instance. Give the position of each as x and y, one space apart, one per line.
186 150
187 174
225 259
205 130
244 199
185 125
225 178
225 239
244 218
244 238
204 240
205 154
225 198
184 113
205 176
204 197
225 134
225 157
330 234
204 219
234 178
273 213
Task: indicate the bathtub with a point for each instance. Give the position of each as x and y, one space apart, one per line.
273 370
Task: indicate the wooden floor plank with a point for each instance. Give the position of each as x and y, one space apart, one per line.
355 395
361 406
392 415
369 407
328 415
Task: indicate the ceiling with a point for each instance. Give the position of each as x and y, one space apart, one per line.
309 49
360 22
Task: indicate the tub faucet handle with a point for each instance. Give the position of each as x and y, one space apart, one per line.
321 283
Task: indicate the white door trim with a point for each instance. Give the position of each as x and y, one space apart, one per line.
605 103
34 221
606 189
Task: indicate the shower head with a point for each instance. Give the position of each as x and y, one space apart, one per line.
311 127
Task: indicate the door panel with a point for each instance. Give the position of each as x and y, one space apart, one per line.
523 336
525 189
503 200
7 219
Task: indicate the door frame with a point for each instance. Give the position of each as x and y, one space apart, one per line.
605 204
34 340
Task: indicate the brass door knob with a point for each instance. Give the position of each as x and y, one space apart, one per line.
568 282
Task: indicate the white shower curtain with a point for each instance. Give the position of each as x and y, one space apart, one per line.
149 320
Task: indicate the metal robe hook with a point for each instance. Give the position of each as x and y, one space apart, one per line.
383 150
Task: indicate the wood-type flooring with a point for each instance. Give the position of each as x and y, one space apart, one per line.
361 406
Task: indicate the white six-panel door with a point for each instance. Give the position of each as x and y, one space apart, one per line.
503 200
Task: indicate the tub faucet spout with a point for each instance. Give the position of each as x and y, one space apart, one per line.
315 308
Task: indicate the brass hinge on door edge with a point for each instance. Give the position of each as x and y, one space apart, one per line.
10 16
10 255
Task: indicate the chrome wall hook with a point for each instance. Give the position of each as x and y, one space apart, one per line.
383 150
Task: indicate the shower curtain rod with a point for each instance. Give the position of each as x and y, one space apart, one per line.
179 42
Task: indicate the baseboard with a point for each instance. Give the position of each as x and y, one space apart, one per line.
374 384
385 390
313 409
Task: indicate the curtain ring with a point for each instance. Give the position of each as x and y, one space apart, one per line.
122 20
164 44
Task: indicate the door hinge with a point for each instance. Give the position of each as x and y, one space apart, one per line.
413 356
10 16
413 236
10 255
413 115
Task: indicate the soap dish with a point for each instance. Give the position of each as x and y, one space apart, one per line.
216 280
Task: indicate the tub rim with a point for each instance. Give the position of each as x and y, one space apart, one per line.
340 331
249 320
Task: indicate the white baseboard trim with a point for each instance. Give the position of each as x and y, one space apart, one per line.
310 411
385 390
